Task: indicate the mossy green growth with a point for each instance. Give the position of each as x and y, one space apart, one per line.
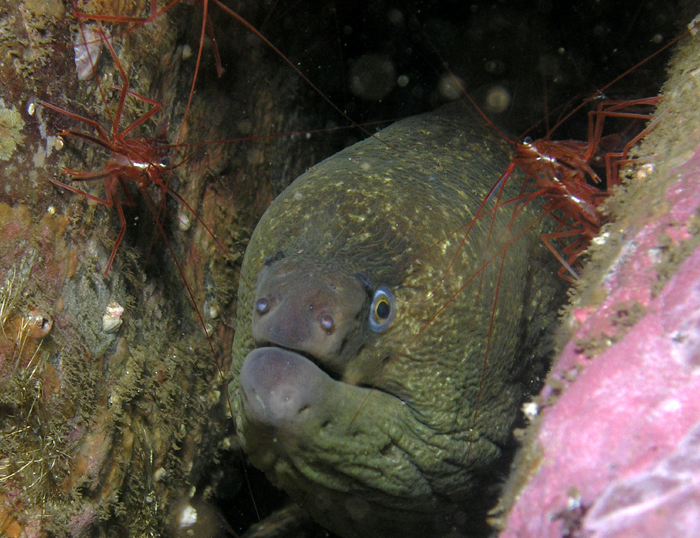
11 125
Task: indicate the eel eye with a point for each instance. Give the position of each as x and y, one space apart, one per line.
382 310
262 305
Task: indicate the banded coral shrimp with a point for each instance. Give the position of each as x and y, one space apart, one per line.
181 187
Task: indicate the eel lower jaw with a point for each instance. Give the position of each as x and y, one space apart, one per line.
279 384
283 388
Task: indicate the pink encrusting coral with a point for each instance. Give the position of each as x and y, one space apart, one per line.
629 409
660 502
617 440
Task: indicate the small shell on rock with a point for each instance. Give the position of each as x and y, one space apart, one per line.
112 318
184 222
87 48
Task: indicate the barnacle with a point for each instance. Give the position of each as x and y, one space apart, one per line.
39 323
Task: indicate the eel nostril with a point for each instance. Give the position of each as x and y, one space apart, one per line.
326 321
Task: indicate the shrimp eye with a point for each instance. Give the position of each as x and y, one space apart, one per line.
382 310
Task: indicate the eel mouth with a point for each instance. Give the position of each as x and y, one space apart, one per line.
318 362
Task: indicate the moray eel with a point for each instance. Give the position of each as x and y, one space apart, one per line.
380 360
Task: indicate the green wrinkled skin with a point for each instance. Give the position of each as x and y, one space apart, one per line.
420 454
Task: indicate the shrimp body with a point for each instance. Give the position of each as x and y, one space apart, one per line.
561 169
137 160
140 160
563 173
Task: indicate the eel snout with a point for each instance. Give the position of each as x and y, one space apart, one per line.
306 323
309 312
